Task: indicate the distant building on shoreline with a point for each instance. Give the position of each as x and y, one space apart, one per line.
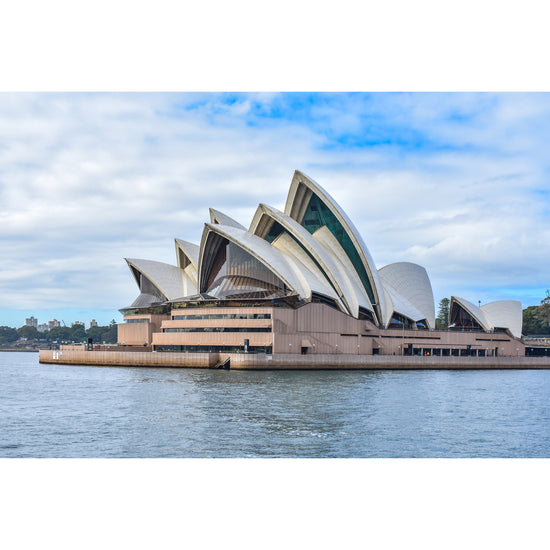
31 322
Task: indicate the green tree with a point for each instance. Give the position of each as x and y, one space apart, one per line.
442 319
78 334
111 335
536 319
59 333
107 334
8 335
543 314
95 333
531 324
30 333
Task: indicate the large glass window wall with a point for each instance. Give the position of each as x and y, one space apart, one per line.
274 231
461 319
400 322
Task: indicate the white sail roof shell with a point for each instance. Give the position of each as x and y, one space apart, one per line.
505 314
355 291
483 320
286 244
296 277
402 306
223 219
351 294
187 255
388 314
190 251
172 281
411 290
295 209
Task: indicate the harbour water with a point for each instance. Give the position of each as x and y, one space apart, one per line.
102 412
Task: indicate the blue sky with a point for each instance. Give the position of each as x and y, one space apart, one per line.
457 182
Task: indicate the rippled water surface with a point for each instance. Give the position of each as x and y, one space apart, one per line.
68 411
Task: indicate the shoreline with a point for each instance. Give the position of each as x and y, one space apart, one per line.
23 350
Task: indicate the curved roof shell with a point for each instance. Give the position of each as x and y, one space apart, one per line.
474 311
505 314
355 293
303 191
297 278
171 281
187 253
223 219
409 285
307 268
326 261
402 306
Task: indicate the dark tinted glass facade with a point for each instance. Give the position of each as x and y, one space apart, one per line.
461 319
317 215
274 231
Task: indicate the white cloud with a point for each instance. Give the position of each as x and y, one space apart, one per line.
87 179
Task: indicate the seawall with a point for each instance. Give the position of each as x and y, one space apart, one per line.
286 362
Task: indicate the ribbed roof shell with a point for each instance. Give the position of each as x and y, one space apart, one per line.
355 292
409 285
187 253
223 219
303 261
505 314
474 311
170 280
402 306
299 195
296 277
332 268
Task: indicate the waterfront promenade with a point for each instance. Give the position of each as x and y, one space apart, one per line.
287 361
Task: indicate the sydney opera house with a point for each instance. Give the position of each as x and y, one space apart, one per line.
302 282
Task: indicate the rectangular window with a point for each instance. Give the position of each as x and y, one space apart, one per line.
194 317
214 349
218 329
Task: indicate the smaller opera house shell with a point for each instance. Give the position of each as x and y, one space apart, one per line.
301 281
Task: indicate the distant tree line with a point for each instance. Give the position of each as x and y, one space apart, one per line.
76 334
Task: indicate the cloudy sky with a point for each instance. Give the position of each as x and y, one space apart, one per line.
456 182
